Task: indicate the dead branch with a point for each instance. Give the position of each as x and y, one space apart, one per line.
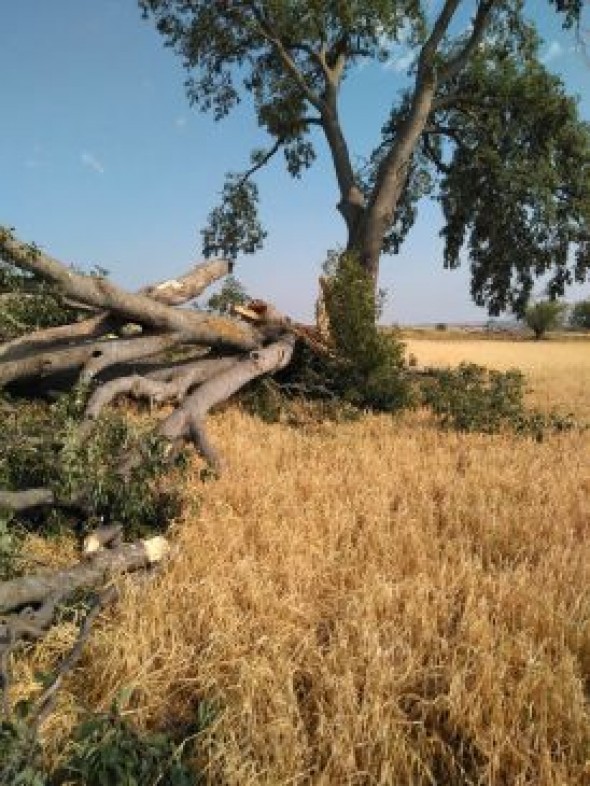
259 312
35 589
42 340
186 422
183 289
93 357
101 293
46 701
179 381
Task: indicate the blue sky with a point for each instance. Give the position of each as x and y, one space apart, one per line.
102 161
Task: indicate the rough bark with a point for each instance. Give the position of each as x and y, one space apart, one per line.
170 384
53 338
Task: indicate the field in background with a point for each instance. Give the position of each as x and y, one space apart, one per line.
376 602
558 371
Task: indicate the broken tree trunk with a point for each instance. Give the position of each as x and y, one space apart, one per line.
36 589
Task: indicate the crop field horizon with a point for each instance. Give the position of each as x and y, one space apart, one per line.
371 602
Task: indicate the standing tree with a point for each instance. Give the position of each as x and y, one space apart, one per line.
543 316
484 127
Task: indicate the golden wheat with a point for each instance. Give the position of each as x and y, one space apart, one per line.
368 603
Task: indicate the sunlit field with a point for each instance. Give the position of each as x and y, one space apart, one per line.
376 602
558 372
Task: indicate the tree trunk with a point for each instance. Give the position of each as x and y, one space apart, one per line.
391 179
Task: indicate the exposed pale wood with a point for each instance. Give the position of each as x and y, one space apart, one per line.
35 589
176 291
103 536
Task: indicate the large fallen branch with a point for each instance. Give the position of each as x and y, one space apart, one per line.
94 357
159 387
152 309
101 293
187 421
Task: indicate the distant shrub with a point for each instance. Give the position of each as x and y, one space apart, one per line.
232 293
580 315
441 326
471 398
544 316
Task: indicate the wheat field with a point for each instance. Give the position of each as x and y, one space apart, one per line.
376 602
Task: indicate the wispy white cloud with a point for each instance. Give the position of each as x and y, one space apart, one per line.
90 161
553 52
180 122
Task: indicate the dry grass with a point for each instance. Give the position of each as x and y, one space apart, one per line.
370 603
558 371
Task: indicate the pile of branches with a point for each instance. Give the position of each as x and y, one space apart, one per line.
144 345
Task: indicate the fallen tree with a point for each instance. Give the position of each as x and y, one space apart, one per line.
180 348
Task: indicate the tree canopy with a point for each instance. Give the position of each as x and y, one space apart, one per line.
484 127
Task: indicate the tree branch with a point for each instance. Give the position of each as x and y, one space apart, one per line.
195 326
482 17
36 589
186 422
269 34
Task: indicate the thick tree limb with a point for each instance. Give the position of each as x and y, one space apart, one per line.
103 294
35 589
94 357
176 291
158 390
93 327
186 422
172 292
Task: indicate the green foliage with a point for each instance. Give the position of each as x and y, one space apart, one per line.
370 367
43 445
20 755
233 226
106 750
515 188
503 149
232 293
27 303
543 316
471 398
580 316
